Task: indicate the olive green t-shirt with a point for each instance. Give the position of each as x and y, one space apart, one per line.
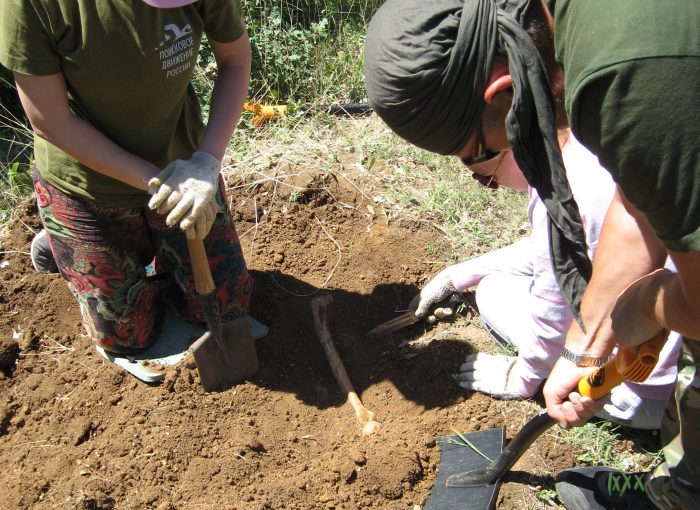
631 72
127 67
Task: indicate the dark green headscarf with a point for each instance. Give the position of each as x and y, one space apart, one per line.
427 64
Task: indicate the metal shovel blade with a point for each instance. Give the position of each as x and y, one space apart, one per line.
235 361
533 429
458 456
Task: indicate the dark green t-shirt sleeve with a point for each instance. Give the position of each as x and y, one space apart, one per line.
23 33
222 19
641 119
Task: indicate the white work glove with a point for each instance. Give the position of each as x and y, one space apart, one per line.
488 373
203 223
625 407
184 190
436 290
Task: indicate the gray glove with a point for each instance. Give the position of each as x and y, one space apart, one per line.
625 407
436 290
184 191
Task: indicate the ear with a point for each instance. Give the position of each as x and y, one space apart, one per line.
497 84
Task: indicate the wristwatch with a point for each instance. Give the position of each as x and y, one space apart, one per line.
584 359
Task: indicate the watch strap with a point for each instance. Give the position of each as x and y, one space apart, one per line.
584 359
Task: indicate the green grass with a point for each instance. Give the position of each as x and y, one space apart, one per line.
603 443
15 185
597 444
463 442
439 190
506 350
15 153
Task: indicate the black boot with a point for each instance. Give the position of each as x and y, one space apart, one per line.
598 488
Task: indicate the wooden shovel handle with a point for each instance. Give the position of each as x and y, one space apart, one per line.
203 281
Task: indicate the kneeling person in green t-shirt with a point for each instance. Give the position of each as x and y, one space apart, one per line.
125 168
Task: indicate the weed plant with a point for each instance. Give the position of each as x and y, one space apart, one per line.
304 53
600 443
15 151
308 51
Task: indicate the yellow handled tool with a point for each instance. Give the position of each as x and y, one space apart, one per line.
625 366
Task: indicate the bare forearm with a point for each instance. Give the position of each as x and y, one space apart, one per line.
627 250
230 91
44 99
94 150
675 297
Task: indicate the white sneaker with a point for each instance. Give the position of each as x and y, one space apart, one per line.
41 254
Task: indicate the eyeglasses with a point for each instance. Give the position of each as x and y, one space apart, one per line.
481 153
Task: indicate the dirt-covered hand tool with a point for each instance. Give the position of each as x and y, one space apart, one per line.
477 487
409 316
225 355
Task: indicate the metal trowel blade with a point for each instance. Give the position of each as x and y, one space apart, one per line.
220 370
403 320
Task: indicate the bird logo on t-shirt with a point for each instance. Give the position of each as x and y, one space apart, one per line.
173 33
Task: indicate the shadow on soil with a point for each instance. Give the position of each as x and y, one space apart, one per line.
292 358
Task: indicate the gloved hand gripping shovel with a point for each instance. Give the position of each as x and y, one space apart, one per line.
225 354
484 481
409 316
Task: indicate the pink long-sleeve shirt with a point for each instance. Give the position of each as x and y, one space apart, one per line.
549 316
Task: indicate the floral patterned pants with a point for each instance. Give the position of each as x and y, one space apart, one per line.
102 253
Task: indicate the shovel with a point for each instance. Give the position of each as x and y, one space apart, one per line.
225 354
468 479
625 366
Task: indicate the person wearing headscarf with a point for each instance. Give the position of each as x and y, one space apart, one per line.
475 77
522 307
429 86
